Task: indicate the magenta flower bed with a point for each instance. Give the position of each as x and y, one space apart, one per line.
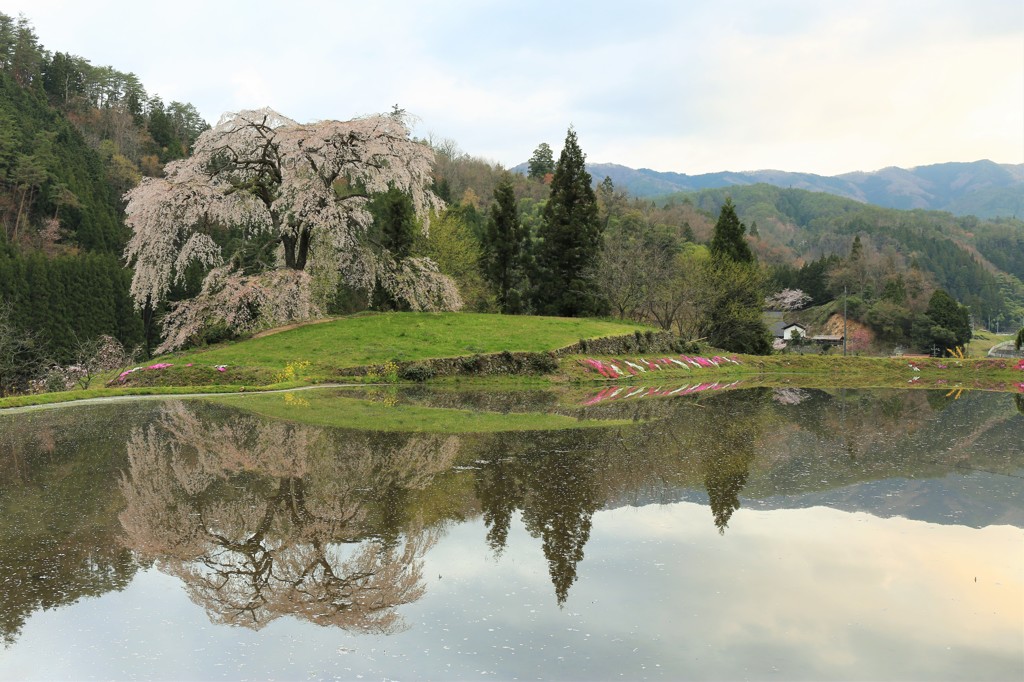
614 368
123 376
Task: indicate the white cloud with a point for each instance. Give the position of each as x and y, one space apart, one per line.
690 87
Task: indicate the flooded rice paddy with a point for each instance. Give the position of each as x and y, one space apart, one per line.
719 533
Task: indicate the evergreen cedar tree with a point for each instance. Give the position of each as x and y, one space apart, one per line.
951 321
542 162
728 241
733 310
506 246
570 241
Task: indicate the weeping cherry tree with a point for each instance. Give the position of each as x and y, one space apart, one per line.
297 191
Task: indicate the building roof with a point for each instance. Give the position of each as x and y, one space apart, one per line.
778 328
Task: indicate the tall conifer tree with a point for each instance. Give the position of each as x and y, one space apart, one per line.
506 246
570 240
732 309
727 241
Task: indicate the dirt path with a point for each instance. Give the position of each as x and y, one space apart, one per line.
296 325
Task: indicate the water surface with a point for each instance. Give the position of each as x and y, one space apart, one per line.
717 534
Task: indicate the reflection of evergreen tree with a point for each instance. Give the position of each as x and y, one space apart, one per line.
1019 401
500 495
58 539
939 400
561 499
732 430
393 502
553 483
724 479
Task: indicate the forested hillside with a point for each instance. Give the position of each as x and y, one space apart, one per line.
73 138
979 262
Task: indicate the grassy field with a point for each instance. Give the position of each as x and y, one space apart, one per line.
375 339
823 371
262 363
982 341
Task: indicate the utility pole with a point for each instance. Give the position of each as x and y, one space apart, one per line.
844 320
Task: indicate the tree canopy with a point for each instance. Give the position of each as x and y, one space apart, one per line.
728 242
570 240
505 249
542 162
951 322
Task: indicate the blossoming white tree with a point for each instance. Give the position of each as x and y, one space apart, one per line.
787 299
300 189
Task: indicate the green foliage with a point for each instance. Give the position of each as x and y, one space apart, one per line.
951 322
731 307
728 242
542 162
799 224
1018 342
394 222
569 241
53 173
506 247
73 138
22 355
811 278
455 248
69 298
395 231
890 321
895 291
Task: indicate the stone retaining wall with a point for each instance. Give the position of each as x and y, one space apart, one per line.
1005 350
509 363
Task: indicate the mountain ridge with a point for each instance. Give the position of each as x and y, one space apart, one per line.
982 188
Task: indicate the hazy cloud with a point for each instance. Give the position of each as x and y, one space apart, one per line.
690 87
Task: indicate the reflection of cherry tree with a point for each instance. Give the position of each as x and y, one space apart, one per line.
262 519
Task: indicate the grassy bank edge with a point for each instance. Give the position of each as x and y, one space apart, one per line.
802 371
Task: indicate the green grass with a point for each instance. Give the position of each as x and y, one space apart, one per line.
375 339
355 341
818 371
326 408
982 341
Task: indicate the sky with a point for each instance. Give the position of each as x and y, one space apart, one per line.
686 86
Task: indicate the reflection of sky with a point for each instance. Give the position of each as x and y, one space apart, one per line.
789 594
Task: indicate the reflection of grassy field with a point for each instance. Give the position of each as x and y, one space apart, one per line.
374 339
327 408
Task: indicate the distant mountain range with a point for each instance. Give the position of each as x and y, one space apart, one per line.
982 188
